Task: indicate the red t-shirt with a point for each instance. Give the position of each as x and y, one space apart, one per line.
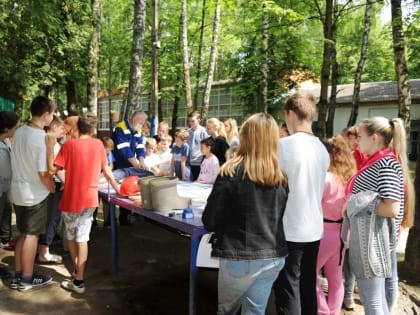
83 160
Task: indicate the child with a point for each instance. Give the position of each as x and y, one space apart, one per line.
83 159
284 132
9 123
163 130
231 128
55 129
330 255
210 166
197 133
216 131
165 155
180 152
245 210
152 160
109 147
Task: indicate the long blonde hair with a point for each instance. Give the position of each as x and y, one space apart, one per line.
218 125
260 162
393 133
233 132
342 163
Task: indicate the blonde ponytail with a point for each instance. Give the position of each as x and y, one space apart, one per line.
399 144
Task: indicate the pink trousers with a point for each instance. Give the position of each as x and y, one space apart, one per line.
329 258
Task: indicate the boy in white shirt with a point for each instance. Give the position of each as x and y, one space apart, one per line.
305 161
30 188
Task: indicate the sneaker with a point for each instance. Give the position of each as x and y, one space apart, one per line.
70 286
8 244
38 281
15 282
348 303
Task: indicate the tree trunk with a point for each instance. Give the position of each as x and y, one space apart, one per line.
111 121
403 81
199 56
71 97
359 71
412 252
153 111
92 103
334 74
326 69
262 97
212 62
136 57
57 99
187 82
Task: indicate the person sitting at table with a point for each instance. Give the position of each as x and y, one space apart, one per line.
209 168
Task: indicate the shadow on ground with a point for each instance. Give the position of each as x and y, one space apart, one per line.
152 279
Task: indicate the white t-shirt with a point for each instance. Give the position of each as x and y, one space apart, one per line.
165 160
29 157
305 161
151 160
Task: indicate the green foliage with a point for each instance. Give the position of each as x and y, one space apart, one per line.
45 44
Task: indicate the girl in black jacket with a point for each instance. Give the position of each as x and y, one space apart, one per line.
245 210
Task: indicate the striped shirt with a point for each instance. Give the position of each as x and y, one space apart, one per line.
386 178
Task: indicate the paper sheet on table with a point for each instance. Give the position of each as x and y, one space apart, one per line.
198 194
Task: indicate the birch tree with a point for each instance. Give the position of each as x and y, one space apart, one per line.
262 97
136 56
403 80
199 56
359 70
326 66
212 61
94 57
186 59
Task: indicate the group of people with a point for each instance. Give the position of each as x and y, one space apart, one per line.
196 154
284 211
41 171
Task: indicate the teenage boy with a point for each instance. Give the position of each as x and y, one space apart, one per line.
83 159
305 161
30 189
197 133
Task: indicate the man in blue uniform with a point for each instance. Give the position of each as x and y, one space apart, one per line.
129 148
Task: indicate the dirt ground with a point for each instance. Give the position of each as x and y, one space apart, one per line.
153 278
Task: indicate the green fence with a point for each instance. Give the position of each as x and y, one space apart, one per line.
6 105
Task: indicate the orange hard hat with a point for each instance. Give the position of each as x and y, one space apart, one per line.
129 186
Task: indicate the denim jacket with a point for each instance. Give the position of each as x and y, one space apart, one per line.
246 218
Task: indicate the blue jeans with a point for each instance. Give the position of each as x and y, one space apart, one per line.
53 218
246 284
372 294
349 278
391 284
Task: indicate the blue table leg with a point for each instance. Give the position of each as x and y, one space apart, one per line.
114 239
195 241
